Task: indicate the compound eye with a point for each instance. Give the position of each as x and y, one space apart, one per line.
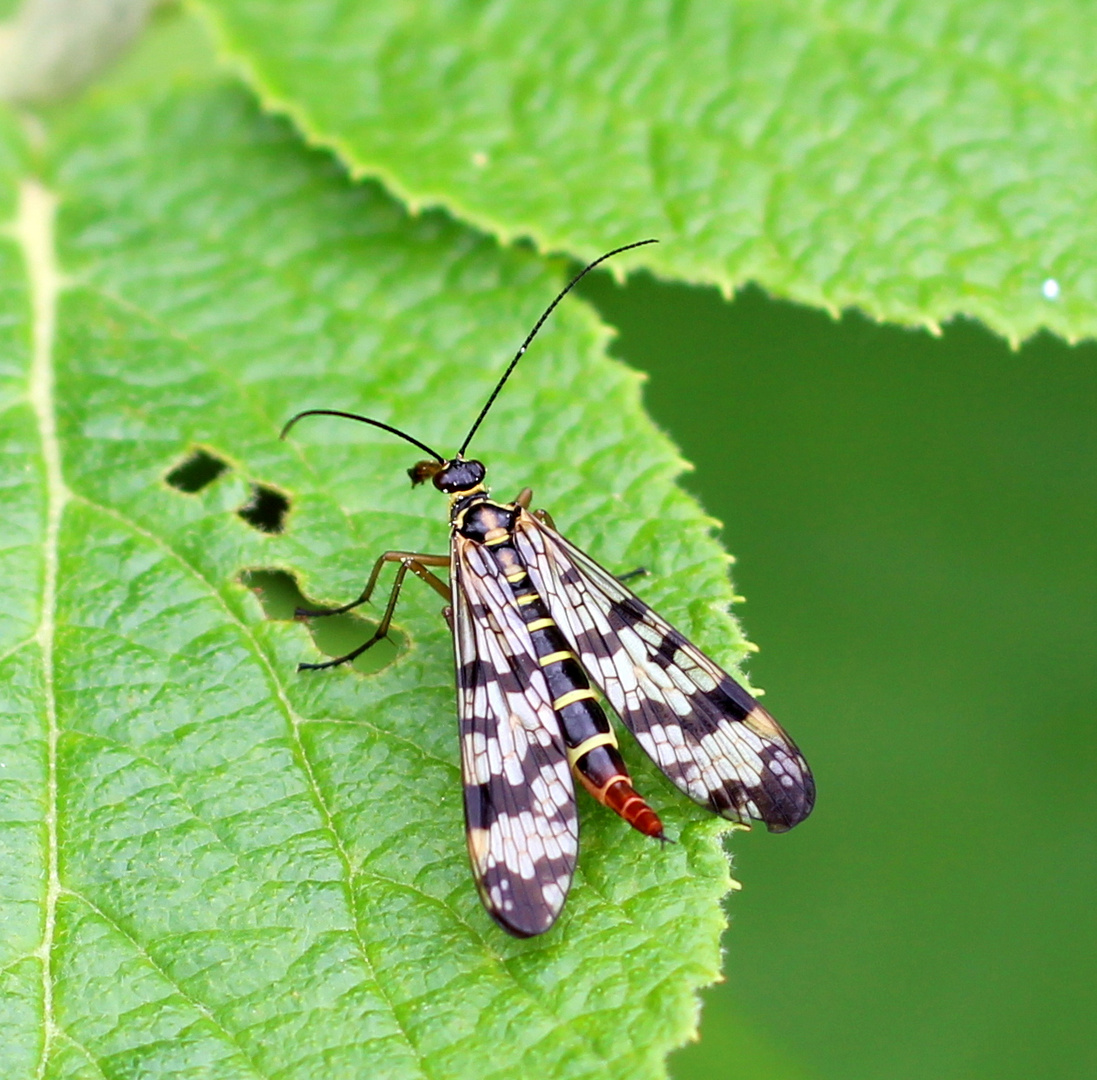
460 476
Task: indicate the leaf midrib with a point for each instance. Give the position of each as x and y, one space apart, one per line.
33 232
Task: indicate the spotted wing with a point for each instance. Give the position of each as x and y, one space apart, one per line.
710 737
519 800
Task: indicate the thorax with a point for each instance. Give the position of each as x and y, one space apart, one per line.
484 521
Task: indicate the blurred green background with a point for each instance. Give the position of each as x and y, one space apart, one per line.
915 523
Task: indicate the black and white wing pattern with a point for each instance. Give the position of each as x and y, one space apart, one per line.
707 734
519 799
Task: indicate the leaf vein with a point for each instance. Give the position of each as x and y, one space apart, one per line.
33 230
198 1006
301 755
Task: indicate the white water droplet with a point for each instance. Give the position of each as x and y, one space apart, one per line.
1050 289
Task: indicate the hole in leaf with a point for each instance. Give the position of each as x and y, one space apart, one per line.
334 635
266 509
196 471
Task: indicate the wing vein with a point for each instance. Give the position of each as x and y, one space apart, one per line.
698 724
519 800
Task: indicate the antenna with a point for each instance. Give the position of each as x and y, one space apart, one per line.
363 420
533 333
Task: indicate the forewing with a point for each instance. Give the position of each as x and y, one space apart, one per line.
519 800
710 737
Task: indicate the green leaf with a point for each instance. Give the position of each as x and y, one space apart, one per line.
914 159
212 865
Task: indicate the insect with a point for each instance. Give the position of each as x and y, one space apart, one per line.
535 623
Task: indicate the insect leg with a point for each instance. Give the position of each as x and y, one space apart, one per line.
525 497
367 592
417 564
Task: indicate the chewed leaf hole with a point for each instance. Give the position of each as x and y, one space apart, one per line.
333 635
266 509
196 471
